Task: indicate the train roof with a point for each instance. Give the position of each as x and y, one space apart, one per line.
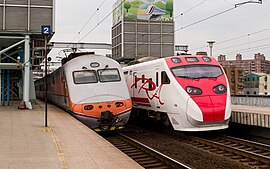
188 59
74 55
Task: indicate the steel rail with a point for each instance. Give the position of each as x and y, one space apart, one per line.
142 154
233 150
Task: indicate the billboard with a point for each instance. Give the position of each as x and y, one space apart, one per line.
158 10
117 12
130 10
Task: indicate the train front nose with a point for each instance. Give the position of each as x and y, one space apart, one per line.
206 108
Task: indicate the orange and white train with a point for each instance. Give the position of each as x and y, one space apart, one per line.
92 88
190 93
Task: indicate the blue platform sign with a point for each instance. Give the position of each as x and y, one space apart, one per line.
46 30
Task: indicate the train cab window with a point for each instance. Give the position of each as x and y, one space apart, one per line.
108 75
85 76
164 78
197 71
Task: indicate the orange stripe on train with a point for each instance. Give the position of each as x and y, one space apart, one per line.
95 109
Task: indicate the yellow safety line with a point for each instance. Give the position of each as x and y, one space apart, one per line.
60 152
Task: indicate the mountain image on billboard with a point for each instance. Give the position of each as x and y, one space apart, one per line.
159 10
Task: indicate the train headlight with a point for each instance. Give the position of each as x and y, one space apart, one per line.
88 107
219 89
119 104
193 90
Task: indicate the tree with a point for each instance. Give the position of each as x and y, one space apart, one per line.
127 5
169 7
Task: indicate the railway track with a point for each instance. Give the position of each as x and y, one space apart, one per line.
142 154
244 152
252 154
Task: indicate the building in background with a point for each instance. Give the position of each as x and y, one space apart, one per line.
257 84
258 64
22 46
142 29
236 79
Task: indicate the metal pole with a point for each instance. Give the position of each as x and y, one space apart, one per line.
0 83
26 84
211 44
3 87
46 83
8 87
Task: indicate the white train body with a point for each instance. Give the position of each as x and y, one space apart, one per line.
160 87
92 88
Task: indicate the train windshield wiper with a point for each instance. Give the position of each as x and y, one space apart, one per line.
187 77
210 77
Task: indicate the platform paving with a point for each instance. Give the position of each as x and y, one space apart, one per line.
65 144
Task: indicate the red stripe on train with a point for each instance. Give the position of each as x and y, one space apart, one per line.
140 99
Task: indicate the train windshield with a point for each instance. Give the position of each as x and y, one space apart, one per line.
197 71
85 76
109 75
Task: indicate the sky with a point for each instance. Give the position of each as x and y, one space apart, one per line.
244 30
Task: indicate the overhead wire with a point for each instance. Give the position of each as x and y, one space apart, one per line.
249 49
246 43
101 21
189 25
235 38
90 18
193 7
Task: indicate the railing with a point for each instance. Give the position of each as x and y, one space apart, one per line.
251 100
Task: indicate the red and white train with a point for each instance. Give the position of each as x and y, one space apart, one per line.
92 88
189 92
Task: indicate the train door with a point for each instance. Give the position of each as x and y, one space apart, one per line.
134 84
157 82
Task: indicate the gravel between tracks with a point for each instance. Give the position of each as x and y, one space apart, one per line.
183 152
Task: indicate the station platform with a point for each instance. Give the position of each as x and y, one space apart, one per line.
251 115
65 144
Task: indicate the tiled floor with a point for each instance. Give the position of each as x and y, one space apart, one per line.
66 144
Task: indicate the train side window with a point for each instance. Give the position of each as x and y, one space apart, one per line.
164 78
150 83
143 78
156 79
136 81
